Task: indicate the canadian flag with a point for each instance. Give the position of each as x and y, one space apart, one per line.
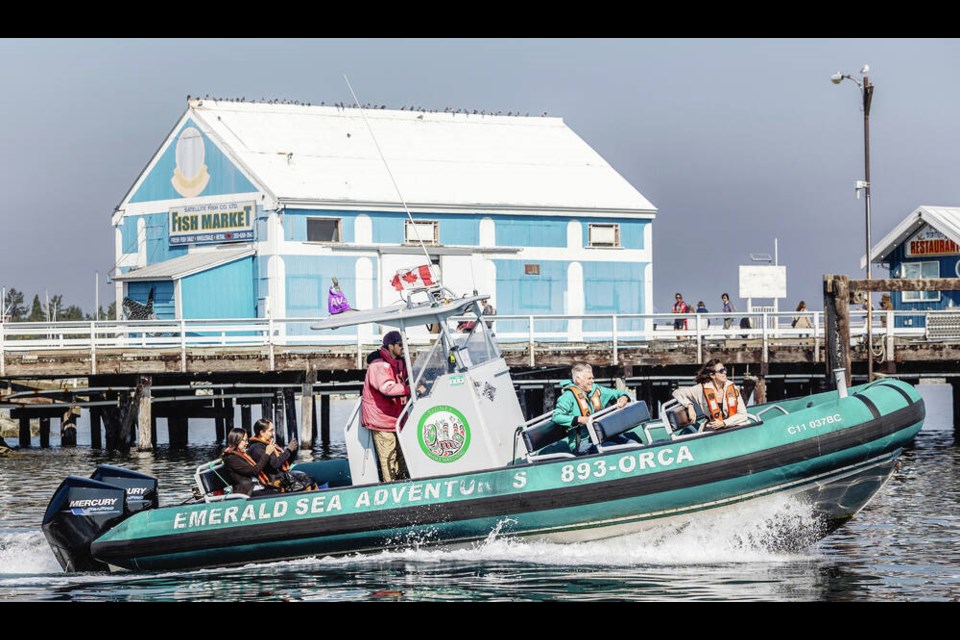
414 278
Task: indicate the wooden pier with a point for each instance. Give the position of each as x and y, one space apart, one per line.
126 388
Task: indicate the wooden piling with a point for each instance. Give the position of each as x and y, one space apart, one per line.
144 419
178 429
266 411
836 293
279 423
229 410
246 420
68 430
955 386
307 421
44 432
290 414
111 425
549 397
95 436
325 419
129 408
24 439
218 421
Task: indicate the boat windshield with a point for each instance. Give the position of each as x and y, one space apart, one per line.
477 347
428 365
465 352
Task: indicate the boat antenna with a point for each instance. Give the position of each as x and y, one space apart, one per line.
392 179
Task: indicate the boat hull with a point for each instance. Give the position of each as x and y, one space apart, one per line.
831 456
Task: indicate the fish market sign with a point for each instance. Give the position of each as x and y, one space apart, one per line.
212 223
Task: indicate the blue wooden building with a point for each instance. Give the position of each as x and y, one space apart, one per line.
926 244
250 209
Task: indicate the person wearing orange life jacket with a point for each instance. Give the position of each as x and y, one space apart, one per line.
714 396
241 468
580 399
277 469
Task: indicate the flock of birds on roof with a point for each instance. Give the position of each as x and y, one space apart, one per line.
343 106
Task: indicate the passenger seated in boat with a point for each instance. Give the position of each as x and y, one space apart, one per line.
580 399
277 468
715 397
240 468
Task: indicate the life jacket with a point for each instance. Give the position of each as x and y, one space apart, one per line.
582 399
713 404
265 479
261 476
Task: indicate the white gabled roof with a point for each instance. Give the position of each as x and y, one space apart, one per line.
326 155
946 220
189 264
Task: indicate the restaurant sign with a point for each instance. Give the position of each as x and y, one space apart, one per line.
930 242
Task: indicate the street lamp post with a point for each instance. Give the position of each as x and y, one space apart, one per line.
866 94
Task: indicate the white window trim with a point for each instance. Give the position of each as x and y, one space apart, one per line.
339 222
918 296
410 236
604 245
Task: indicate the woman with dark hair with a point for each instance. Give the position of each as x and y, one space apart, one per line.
241 468
277 471
714 396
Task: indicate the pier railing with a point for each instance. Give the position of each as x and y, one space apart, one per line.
624 332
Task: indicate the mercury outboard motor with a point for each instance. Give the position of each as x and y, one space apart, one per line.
141 489
83 508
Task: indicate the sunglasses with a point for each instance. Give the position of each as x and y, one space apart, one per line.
720 370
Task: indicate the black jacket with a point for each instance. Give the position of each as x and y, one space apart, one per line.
275 463
240 471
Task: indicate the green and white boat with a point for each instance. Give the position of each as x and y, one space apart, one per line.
478 467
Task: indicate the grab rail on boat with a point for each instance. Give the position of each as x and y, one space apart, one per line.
760 413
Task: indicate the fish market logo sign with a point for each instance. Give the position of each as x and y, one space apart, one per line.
190 176
212 223
444 434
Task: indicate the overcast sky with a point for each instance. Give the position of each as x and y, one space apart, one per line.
736 142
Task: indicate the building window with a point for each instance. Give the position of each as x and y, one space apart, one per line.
531 269
323 230
604 235
915 270
426 231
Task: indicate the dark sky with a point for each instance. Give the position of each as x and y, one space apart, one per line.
738 143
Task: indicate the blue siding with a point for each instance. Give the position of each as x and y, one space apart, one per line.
225 178
221 292
158 239
519 293
531 231
308 279
454 229
613 288
631 231
295 223
128 234
163 302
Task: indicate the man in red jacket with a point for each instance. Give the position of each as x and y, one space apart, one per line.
385 392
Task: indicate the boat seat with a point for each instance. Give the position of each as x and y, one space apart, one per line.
543 435
212 484
613 424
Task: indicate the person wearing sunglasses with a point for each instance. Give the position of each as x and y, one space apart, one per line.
713 396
